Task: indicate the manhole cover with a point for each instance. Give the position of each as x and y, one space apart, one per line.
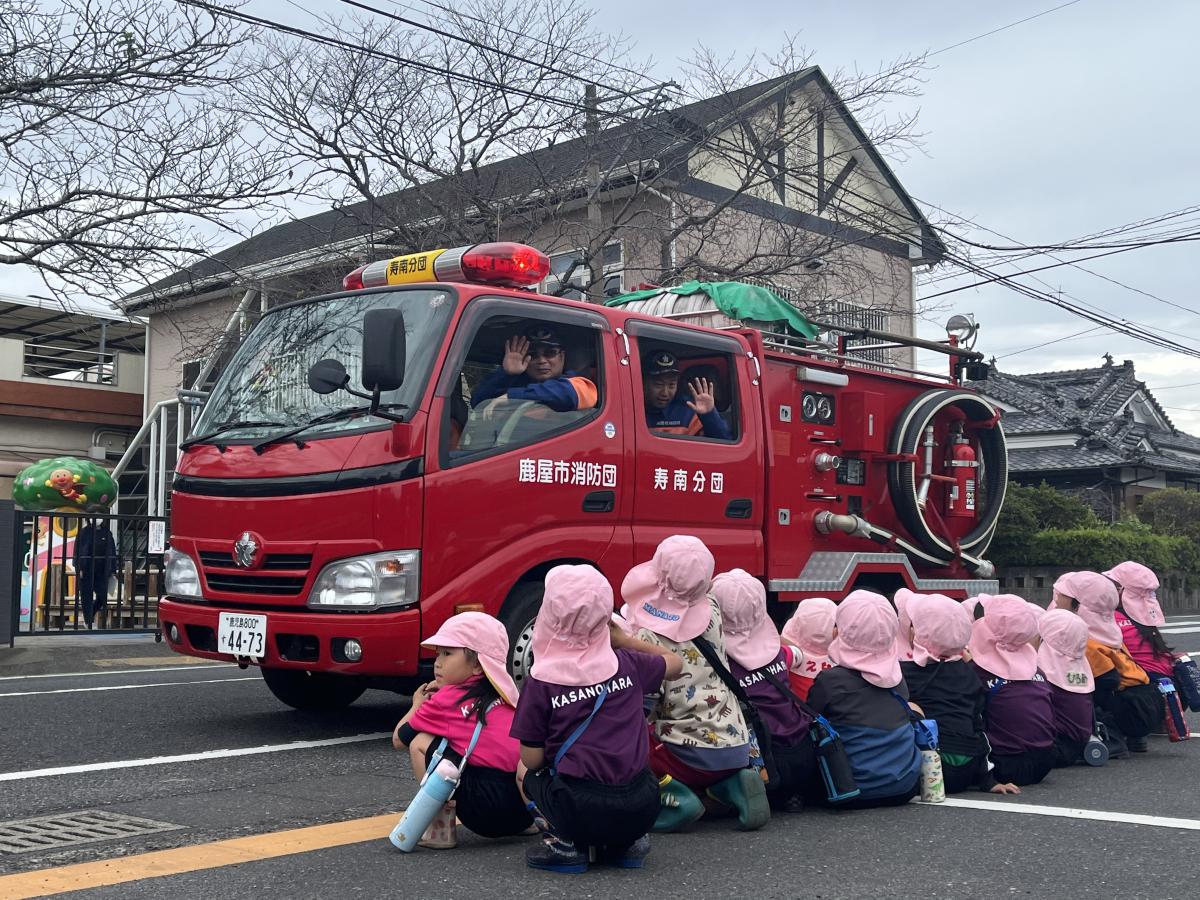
55 832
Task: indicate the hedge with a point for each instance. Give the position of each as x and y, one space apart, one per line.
1097 549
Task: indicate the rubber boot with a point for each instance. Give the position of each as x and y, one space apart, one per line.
744 791
679 806
442 833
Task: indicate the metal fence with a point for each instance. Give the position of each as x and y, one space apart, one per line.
67 580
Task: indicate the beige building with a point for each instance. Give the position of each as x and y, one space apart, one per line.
70 384
775 183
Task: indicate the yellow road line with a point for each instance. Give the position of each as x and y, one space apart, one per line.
123 869
174 659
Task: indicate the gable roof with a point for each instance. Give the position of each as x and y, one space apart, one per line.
664 141
1094 405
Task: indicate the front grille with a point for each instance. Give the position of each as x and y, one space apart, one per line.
273 561
276 585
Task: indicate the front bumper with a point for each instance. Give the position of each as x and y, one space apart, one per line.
305 640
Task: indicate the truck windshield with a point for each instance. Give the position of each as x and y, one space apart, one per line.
265 384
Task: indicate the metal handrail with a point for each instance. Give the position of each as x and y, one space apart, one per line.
132 450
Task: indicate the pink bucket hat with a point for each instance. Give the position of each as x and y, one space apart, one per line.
1062 655
669 594
941 628
904 647
750 635
811 628
866 638
487 638
1098 601
571 644
1139 592
1000 640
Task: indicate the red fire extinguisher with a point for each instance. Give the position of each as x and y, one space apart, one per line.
961 502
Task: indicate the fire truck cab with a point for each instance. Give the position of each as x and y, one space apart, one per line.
348 487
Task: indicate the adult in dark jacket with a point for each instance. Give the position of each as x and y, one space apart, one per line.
670 412
534 368
95 560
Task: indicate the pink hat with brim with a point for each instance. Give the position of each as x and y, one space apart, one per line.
811 628
750 635
669 594
904 646
941 628
1098 601
485 636
1062 656
571 643
866 638
1139 592
1000 641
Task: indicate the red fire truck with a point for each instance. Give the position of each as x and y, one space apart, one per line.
342 496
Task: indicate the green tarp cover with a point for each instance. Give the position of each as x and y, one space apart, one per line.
736 300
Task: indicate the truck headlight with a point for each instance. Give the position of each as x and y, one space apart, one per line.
368 582
180 577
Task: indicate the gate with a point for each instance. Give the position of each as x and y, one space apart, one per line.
67 568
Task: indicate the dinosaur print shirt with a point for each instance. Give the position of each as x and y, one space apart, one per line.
695 714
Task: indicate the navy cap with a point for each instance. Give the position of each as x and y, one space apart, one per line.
660 362
542 334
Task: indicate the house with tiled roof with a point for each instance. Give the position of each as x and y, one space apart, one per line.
1098 433
672 150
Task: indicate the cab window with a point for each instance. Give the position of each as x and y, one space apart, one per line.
523 380
689 392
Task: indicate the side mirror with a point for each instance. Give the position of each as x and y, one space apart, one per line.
326 376
383 349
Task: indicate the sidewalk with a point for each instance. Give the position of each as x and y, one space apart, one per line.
82 652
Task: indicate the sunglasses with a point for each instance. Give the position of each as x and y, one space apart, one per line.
545 351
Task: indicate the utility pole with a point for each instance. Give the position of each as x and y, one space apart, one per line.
591 130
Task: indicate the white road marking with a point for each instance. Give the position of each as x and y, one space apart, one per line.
126 687
116 672
1179 629
1064 812
190 757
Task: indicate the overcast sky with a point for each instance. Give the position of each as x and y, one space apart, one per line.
1059 127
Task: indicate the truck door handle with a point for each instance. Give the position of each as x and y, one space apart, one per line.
600 501
739 509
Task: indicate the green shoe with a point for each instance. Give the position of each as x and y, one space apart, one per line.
680 806
745 792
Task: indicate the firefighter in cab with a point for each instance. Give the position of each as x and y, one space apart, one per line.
533 368
670 412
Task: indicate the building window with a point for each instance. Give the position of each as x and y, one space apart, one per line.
569 275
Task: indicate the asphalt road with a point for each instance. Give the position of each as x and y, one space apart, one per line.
122 725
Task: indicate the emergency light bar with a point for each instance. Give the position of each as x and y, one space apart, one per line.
501 263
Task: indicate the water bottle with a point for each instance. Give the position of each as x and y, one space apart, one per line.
436 788
933 785
1095 751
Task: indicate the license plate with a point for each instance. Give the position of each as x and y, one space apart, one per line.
242 635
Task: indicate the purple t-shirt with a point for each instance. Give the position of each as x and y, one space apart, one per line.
1072 714
615 747
1019 716
786 723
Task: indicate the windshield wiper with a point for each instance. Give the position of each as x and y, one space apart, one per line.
348 413
228 426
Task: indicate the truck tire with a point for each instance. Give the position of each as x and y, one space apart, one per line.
319 691
518 614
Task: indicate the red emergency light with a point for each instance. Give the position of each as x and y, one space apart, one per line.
502 263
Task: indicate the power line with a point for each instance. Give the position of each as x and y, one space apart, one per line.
487 48
1048 343
980 37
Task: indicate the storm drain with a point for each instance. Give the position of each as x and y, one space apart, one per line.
72 829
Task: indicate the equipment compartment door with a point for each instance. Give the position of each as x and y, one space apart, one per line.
696 474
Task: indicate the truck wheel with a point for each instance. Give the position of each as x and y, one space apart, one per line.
301 689
518 615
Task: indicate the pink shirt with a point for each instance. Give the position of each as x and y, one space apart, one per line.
1141 650
445 714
